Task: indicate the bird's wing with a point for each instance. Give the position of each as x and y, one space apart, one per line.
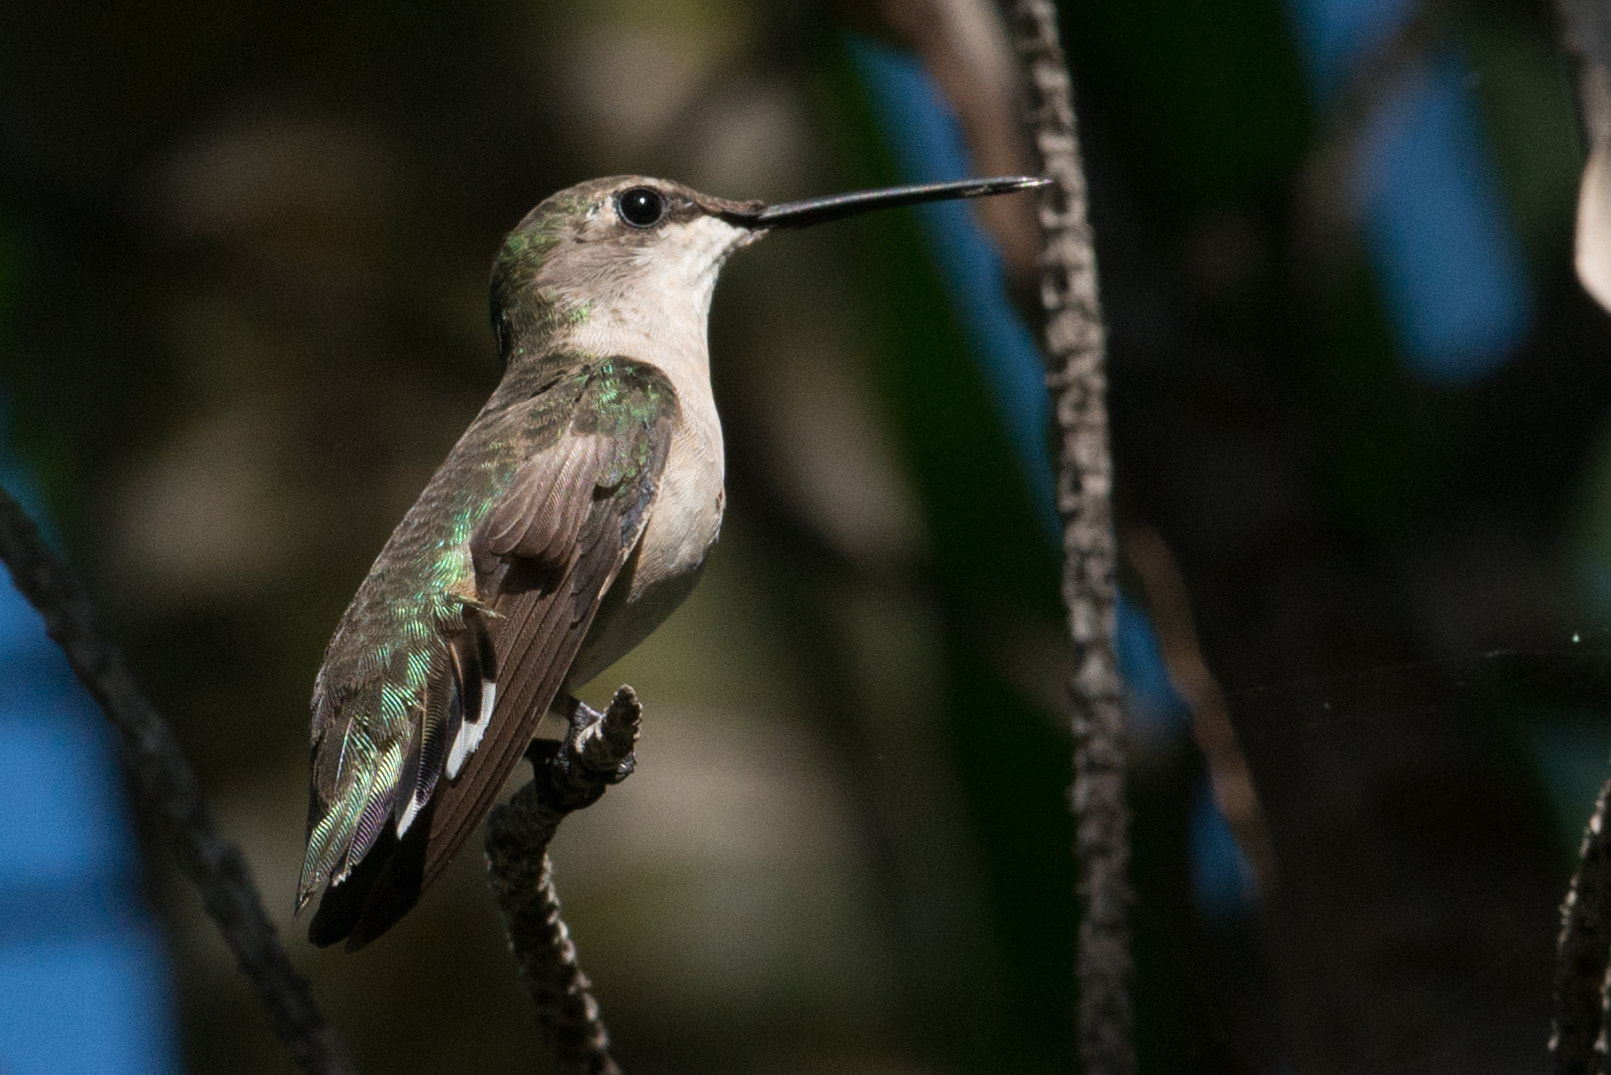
544 556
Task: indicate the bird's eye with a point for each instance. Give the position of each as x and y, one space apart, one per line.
641 207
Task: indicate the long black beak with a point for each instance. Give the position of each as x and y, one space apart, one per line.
818 210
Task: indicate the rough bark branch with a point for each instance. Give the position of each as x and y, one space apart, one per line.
167 790
1075 340
567 776
1577 1042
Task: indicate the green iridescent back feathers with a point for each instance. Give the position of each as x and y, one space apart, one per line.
394 685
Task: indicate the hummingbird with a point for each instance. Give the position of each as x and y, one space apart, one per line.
570 519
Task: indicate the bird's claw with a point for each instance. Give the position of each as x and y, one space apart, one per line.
584 751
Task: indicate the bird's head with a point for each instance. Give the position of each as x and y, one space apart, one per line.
632 247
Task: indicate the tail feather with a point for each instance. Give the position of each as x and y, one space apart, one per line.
364 847
376 807
331 836
379 891
429 742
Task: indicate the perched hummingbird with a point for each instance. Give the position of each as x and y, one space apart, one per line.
570 519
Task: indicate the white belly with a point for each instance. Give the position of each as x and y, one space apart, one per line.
683 523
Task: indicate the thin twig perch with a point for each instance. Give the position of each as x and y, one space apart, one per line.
166 789
1578 1039
1075 341
566 776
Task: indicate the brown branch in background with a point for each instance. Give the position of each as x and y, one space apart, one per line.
1075 340
1228 774
566 776
964 46
167 790
1577 1040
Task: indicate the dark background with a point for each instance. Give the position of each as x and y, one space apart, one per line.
243 260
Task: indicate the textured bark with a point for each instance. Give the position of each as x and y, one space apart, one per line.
567 776
1578 1041
166 789
1075 341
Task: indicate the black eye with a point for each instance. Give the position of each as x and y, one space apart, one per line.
641 207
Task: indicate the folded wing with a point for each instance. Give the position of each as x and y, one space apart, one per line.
544 555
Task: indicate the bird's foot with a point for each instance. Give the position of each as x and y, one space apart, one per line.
598 747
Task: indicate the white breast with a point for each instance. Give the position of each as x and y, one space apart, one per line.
687 511
683 523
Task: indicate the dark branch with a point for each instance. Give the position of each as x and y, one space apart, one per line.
1578 1042
566 776
167 790
1075 341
